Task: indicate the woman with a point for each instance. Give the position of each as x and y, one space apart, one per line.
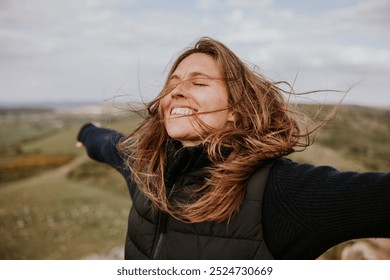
208 180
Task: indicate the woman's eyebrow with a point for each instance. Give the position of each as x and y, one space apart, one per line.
192 75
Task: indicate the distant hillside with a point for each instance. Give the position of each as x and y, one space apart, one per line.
356 139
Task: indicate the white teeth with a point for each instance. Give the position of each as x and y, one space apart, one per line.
181 111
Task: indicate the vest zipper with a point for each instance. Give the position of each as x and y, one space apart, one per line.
161 228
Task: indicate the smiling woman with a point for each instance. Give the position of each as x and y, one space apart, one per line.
207 175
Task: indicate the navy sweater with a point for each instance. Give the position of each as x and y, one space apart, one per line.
307 209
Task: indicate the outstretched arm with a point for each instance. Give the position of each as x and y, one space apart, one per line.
309 209
100 144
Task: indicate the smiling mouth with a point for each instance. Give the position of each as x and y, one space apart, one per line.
182 111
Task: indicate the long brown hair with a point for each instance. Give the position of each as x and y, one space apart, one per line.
264 129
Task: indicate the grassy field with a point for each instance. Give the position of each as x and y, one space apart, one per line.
55 203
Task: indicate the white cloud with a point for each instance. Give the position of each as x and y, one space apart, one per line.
207 4
367 17
249 4
335 49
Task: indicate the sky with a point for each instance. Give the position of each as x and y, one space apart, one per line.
104 50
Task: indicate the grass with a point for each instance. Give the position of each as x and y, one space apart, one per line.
361 134
55 203
54 218
357 139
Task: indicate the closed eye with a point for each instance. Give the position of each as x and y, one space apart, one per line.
200 84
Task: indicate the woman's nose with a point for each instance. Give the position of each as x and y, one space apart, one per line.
179 91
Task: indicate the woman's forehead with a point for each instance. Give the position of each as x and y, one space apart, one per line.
197 65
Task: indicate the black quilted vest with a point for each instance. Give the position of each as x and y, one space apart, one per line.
155 235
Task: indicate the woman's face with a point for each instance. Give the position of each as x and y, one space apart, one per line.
198 89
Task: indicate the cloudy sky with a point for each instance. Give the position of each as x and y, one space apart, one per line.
94 50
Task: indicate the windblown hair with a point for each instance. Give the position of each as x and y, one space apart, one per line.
265 128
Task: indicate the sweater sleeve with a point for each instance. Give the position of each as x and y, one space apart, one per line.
309 209
100 144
